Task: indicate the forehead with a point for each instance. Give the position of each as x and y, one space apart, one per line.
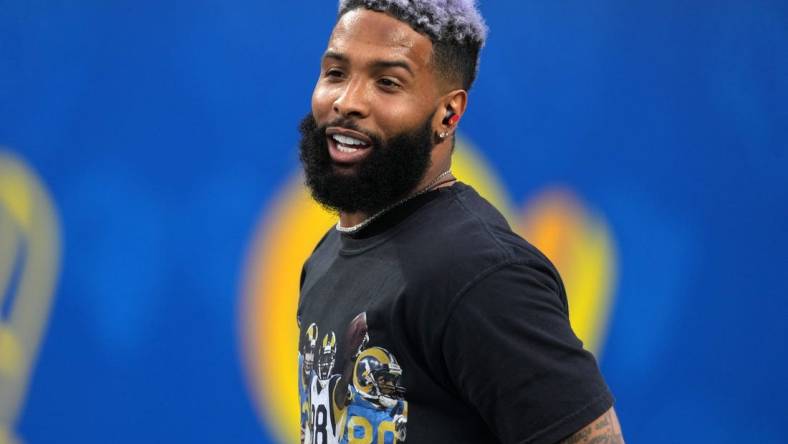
365 34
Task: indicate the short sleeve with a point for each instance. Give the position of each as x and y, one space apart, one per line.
511 353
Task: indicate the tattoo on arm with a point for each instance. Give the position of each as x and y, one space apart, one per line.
604 430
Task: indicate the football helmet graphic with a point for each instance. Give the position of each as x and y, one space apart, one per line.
309 347
376 377
327 357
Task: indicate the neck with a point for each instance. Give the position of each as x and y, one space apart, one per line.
350 219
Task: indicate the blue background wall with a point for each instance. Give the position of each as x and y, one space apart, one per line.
163 128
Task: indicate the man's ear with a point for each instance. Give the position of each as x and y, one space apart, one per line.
454 105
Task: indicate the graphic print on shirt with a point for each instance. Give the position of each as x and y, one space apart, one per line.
360 401
306 363
377 412
325 411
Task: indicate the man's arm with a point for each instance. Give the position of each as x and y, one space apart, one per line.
604 430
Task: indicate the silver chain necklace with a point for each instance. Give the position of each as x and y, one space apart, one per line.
367 221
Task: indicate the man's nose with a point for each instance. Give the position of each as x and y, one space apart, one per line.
352 102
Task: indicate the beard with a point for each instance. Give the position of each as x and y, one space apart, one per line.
388 174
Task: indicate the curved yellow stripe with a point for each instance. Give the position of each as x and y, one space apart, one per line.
293 227
27 219
16 187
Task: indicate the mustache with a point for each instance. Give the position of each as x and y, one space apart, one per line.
347 123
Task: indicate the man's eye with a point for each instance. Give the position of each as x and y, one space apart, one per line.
335 73
388 83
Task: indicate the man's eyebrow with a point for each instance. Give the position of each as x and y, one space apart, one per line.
382 64
377 64
335 55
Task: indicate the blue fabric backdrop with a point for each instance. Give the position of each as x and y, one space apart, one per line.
163 128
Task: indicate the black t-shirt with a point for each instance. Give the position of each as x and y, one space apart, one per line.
438 324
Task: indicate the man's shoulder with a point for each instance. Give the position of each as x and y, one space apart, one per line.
470 228
464 239
329 240
324 251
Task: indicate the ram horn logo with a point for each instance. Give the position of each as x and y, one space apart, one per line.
29 261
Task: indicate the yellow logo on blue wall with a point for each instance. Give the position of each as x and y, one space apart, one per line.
29 260
576 239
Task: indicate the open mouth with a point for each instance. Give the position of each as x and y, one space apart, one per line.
347 146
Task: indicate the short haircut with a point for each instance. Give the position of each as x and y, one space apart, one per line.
455 27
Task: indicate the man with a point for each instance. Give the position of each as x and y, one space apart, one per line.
306 362
324 424
451 328
376 407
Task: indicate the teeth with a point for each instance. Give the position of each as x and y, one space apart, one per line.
346 149
345 140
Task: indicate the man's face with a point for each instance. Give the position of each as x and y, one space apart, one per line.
369 138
